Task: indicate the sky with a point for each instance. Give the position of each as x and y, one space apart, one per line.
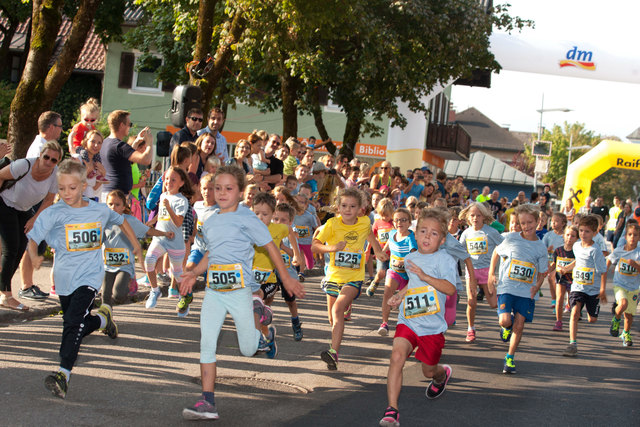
607 108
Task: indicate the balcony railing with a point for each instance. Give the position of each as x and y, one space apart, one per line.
450 142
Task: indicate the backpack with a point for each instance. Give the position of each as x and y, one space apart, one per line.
7 184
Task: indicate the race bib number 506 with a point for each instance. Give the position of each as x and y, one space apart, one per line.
83 237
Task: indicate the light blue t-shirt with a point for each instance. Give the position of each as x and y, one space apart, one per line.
480 244
458 252
202 213
590 264
600 242
422 309
304 225
622 242
399 249
229 238
522 261
179 204
625 275
76 235
118 251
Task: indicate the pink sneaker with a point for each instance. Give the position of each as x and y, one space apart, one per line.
471 335
558 326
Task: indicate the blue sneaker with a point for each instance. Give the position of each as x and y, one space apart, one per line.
263 344
505 334
297 331
173 293
273 347
509 366
152 300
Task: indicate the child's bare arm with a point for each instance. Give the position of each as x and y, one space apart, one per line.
441 285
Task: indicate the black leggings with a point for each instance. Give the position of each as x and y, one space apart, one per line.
14 241
115 287
77 322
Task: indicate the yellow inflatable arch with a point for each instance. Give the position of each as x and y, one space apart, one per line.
604 156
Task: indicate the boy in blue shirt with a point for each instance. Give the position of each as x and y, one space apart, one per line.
522 270
589 271
626 283
74 227
421 323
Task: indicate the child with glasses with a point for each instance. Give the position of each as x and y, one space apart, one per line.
89 113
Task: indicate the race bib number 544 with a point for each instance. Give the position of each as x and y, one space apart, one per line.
83 237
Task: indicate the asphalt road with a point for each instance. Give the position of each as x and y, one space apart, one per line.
147 375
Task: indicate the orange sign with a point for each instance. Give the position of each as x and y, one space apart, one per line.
432 159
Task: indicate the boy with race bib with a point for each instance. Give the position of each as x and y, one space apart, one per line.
522 270
264 206
626 283
229 235
562 258
345 236
421 323
74 228
589 279
552 240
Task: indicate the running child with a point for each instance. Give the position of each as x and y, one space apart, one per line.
480 241
589 279
401 243
284 214
118 250
626 283
381 228
304 224
345 236
229 236
524 264
172 209
264 206
421 320
74 228
552 240
203 209
562 258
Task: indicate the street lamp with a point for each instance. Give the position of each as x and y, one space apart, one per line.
571 148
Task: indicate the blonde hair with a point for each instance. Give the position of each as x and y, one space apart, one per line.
350 192
71 167
529 209
404 211
291 201
385 207
439 215
53 146
91 106
484 211
88 135
207 179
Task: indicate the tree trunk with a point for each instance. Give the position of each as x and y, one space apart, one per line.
316 110
203 46
8 32
351 134
39 85
289 87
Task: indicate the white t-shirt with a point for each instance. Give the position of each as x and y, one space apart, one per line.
28 192
36 147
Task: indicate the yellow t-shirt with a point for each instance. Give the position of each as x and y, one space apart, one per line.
262 265
348 264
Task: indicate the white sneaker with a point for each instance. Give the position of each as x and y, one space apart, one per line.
154 294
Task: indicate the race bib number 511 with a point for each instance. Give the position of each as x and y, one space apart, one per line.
83 237
421 301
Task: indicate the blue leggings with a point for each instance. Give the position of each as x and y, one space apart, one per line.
216 305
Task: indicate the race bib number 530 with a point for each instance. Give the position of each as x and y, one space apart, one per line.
83 237
521 271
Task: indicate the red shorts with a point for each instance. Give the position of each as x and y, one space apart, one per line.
429 346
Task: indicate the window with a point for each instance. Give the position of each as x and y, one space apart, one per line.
141 81
144 76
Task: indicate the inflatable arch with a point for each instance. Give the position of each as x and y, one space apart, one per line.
604 156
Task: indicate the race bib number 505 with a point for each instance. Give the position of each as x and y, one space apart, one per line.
83 237
225 277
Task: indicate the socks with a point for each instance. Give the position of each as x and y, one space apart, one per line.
509 356
103 320
471 328
573 342
66 372
208 396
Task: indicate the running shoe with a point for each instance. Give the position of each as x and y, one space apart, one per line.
263 312
371 289
263 344
110 329
390 418
163 277
173 293
505 334
52 291
435 390
143 281
471 335
33 293
553 304
509 366
152 300
567 309
558 325
571 350
56 383
383 330
614 330
202 410
301 277
297 331
347 314
183 305
272 352
626 339
330 357
540 293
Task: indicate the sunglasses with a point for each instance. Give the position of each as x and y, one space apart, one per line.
197 119
90 120
51 159
130 124
384 168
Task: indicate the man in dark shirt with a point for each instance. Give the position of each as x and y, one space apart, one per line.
496 207
603 211
276 167
189 132
117 155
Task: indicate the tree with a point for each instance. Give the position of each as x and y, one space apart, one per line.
40 83
14 12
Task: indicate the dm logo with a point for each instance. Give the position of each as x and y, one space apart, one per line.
579 58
